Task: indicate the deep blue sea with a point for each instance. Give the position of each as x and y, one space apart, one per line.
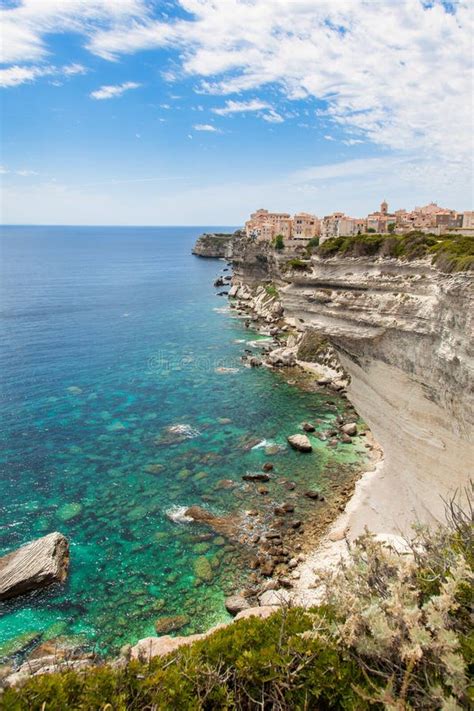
109 336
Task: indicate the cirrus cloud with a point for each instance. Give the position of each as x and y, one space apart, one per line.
16 75
206 127
396 73
111 91
241 107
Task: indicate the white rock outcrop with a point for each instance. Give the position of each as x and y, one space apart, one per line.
34 566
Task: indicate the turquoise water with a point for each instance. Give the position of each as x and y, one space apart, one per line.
108 337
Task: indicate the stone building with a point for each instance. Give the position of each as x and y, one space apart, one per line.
305 226
468 220
340 225
265 225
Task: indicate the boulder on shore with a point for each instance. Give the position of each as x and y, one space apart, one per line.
34 565
350 429
236 603
282 357
300 442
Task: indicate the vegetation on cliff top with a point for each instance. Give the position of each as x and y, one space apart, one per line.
297 265
450 252
395 633
279 243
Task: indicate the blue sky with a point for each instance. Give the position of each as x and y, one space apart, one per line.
200 111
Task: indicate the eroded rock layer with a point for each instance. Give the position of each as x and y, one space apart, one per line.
403 332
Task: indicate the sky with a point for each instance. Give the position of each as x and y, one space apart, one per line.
148 112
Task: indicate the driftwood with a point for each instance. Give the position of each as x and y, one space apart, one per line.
34 565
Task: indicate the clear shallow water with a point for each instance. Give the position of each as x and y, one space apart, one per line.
108 337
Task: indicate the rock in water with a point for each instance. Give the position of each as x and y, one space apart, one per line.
34 566
350 429
300 442
171 624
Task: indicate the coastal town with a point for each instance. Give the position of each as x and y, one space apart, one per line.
264 225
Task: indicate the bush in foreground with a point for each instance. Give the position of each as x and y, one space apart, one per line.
395 633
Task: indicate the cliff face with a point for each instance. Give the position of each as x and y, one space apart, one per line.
214 245
403 332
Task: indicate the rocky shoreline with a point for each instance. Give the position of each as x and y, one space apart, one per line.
282 549
280 544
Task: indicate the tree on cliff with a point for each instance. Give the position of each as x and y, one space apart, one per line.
279 243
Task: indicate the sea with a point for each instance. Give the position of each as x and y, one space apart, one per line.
123 401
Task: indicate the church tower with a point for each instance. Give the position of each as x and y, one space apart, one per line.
384 207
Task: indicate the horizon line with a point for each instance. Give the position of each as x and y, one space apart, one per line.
49 224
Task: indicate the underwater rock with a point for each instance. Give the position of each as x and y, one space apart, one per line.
18 644
315 495
69 511
250 443
272 449
34 565
255 477
175 434
308 427
201 548
300 442
170 624
227 526
154 468
203 569
225 484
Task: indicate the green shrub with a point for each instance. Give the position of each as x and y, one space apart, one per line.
277 661
297 265
271 290
312 246
394 632
279 243
450 252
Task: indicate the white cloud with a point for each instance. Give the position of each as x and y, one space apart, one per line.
16 75
24 172
211 198
393 72
206 127
397 72
111 91
344 169
273 117
241 107
26 24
